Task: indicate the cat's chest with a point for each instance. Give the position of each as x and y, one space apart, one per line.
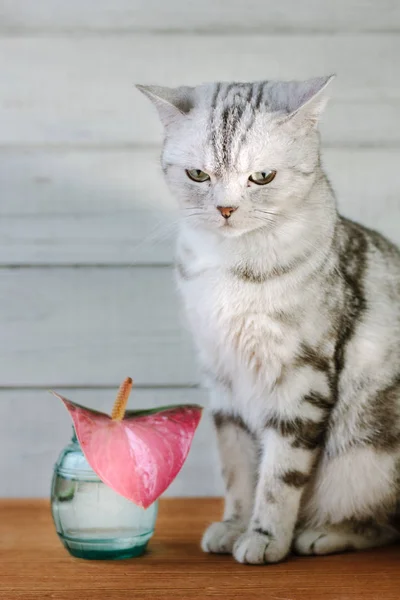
243 330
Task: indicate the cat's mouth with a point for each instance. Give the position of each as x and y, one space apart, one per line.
227 223
230 229
227 226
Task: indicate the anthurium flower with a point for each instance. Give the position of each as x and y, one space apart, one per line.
136 453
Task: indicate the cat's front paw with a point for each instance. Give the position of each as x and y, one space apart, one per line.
259 548
219 538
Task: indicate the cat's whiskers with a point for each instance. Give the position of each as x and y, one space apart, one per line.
263 220
301 218
160 232
265 212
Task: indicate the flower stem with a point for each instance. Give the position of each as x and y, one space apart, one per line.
121 400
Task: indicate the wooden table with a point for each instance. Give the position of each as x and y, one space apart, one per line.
34 565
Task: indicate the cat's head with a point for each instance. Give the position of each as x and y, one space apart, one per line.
240 156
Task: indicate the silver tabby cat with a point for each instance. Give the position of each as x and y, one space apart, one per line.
295 312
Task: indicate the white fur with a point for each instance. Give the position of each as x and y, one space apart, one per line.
351 484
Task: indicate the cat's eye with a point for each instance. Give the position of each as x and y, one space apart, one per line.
197 175
262 177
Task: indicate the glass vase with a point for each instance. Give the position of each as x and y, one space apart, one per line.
92 520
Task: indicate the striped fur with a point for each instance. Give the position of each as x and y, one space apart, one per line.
296 315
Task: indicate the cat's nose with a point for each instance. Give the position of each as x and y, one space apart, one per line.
226 211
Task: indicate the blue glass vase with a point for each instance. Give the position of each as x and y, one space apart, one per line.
92 520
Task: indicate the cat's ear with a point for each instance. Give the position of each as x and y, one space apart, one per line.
307 101
171 103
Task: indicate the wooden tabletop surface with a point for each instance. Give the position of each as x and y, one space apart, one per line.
35 566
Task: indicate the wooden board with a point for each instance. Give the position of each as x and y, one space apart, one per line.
80 90
80 186
34 427
34 565
177 15
92 326
102 207
84 207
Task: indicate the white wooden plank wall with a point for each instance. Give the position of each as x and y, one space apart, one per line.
86 223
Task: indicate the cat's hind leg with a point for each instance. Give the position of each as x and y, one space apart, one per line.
343 537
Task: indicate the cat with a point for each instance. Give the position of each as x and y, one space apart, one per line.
295 312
